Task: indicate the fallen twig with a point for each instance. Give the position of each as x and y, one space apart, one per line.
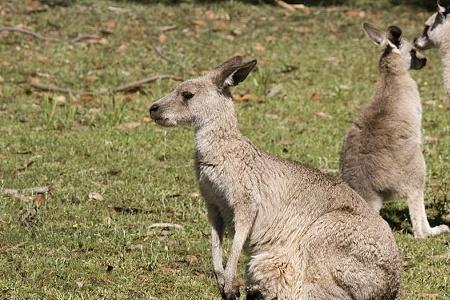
167 28
27 32
122 88
284 5
293 7
27 194
84 37
50 88
30 191
166 225
130 210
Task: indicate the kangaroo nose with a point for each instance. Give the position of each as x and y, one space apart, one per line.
154 108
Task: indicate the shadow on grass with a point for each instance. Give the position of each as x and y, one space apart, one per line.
306 2
397 216
430 5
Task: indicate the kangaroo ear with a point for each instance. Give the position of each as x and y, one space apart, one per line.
232 72
374 34
394 35
443 7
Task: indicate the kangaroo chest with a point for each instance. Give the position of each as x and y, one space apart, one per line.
215 189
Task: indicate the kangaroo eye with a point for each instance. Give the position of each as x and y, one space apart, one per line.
187 95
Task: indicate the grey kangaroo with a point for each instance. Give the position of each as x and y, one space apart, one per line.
436 34
382 152
308 235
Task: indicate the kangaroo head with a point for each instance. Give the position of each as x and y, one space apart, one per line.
436 28
199 101
394 45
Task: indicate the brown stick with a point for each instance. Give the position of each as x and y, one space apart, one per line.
122 88
83 37
284 5
23 194
27 32
56 89
32 191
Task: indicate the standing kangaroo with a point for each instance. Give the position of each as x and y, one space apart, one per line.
382 152
308 235
436 34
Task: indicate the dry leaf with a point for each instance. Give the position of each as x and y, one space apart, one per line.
1 79
210 15
95 196
355 13
39 199
270 39
162 38
220 26
110 25
146 119
229 37
430 103
275 91
42 59
323 115
259 47
101 41
34 6
245 97
303 30
87 98
60 100
79 284
315 96
166 269
199 23
191 259
35 80
130 125
195 195
430 138
90 78
122 48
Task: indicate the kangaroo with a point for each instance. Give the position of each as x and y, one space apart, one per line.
308 235
381 155
436 34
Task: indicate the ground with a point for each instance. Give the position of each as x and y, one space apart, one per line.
316 71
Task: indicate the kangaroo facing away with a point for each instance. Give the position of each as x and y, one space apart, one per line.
436 34
308 235
382 153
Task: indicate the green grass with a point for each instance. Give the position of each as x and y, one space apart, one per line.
80 248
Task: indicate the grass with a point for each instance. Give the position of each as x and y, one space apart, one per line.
81 248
